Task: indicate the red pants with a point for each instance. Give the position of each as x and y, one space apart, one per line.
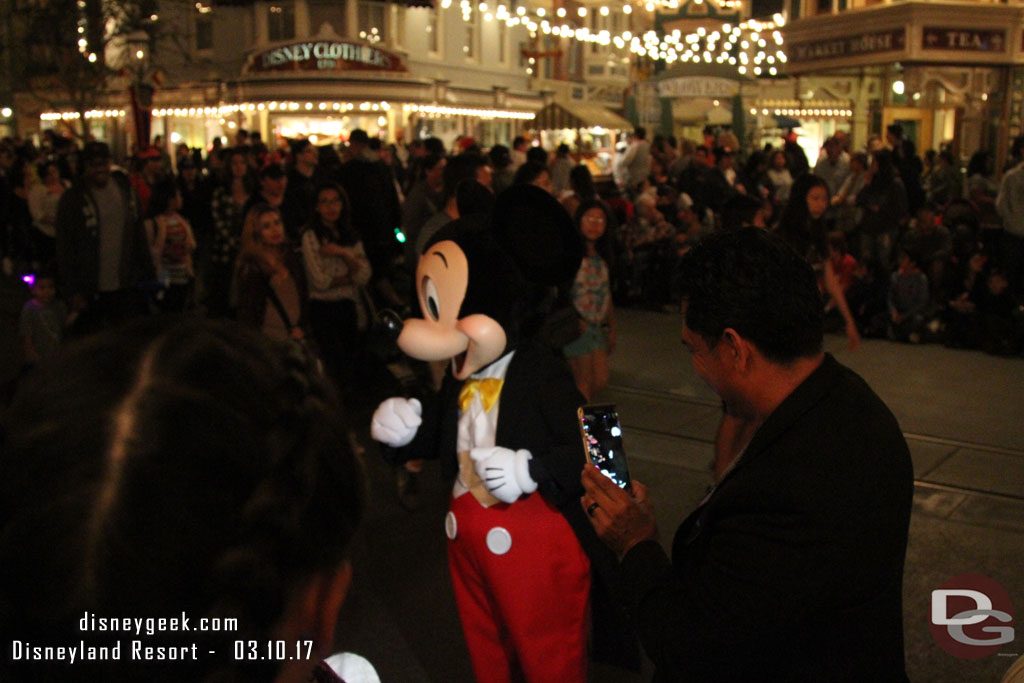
522 583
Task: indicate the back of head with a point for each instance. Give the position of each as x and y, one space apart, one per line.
582 182
537 155
173 466
93 151
886 166
739 211
473 198
753 282
529 172
461 167
434 146
500 156
163 192
358 137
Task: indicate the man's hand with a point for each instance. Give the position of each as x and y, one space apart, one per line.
621 520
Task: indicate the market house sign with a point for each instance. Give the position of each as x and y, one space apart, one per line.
325 55
863 44
698 87
969 40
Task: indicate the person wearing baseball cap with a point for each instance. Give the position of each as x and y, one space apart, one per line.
149 168
102 252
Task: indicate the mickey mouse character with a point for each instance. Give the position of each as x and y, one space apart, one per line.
505 426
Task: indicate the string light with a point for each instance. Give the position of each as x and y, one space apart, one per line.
224 110
738 44
434 110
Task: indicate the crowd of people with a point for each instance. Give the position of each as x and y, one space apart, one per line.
910 249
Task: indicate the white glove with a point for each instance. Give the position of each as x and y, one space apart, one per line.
506 473
395 421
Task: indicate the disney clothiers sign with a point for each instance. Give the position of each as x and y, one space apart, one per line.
325 55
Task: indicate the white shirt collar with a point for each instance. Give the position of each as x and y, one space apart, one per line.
495 370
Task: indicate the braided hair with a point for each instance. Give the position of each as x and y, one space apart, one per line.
175 466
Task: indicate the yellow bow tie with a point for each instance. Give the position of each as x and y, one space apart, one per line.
489 390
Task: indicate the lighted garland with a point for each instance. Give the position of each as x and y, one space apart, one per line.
751 46
82 26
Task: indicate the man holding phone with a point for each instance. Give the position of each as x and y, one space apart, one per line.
791 567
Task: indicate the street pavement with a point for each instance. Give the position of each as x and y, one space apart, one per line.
962 413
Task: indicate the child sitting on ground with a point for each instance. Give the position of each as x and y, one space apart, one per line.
908 299
867 297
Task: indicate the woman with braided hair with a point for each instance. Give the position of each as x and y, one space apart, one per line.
183 470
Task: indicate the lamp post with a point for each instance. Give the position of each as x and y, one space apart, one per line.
140 90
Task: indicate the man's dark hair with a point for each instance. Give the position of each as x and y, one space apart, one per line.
537 155
739 211
640 132
434 146
94 150
519 141
459 168
528 172
473 198
753 282
359 137
500 156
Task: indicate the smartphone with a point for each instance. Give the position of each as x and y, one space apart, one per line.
602 441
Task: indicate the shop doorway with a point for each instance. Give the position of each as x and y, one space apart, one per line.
918 124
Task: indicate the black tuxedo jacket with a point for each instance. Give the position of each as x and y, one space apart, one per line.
792 569
536 411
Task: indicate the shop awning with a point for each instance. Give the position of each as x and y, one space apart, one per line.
579 115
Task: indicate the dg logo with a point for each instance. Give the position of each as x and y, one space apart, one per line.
971 616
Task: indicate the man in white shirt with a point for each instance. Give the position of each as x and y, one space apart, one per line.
1010 205
637 162
834 166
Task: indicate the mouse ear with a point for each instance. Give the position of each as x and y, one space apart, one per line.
539 234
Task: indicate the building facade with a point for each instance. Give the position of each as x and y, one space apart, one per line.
321 68
950 73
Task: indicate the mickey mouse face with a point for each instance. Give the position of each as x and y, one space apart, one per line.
472 342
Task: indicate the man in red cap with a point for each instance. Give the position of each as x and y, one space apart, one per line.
149 168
